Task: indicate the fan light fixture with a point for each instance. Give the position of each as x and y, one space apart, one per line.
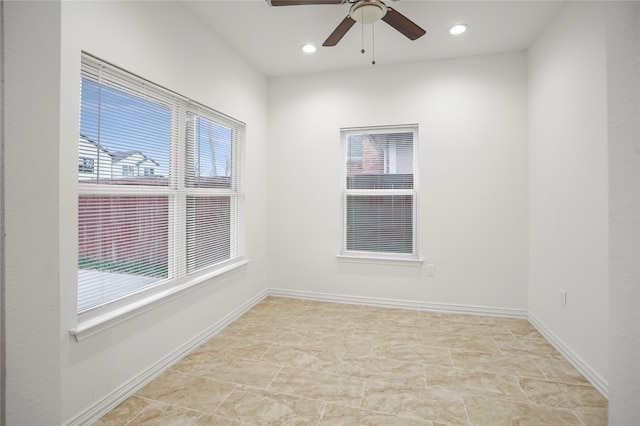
458 29
368 11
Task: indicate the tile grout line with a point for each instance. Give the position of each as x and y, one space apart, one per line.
324 407
224 399
175 406
143 410
424 374
453 365
579 418
364 386
466 411
274 377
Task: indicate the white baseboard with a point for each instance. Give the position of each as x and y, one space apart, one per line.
401 304
123 392
585 369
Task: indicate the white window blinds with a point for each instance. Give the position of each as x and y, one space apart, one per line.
159 187
379 204
214 203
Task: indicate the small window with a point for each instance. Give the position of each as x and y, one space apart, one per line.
379 193
128 171
85 165
149 171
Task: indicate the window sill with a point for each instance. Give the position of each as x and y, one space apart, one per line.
98 323
404 261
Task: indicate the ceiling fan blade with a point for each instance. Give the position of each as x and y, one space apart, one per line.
403 24
301 2
339 32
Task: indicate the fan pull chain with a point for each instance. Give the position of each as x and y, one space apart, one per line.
373 44
362 28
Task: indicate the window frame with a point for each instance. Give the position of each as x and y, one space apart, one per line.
379 256
97 318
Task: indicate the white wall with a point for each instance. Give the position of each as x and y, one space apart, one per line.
31 294
472 179
568 227
623 78
51 378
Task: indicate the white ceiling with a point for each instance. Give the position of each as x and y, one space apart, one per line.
270 37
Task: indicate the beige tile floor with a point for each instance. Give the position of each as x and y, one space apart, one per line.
299 362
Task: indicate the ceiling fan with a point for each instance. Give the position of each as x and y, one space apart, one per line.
364 11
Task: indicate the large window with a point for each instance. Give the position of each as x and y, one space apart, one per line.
379 193
160 202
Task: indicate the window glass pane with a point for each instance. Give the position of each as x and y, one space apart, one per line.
380 161
354 148
123 133
209 222
380 223
209 153
123 245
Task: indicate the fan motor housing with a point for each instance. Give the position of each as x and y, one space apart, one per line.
368 11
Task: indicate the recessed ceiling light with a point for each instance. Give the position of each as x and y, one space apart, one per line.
309 48
458 29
